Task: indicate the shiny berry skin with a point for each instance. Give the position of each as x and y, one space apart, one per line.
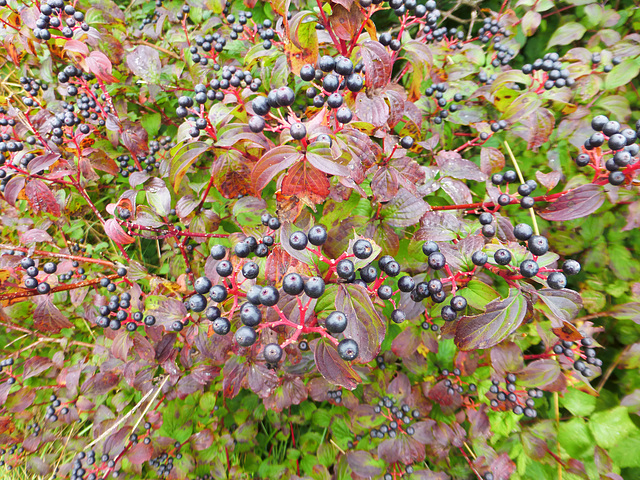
557 280
197 302
362 249
527 202
344 115
49 268
213 313
343 66
398 316
274 223
504 200
345 268
502 256
335 100
326 63
406 284
348 349
599 122
488 231
293 284
485 218
430 247
571 267
314 287
448 314
538 245
253 295
583 160
218 252
385 292
458 303
256 124
383 261
43 288
260 106
479 258
245 336
406 142
218 293
250 270
497 179
272 353
285 96
298 131
224 268
392 268
434 285
303 346
317 235
242 250
250 315
355 82
298 240
437 261
202 285
522 232
616 178
529 268
336 322
307 73
510 176
269 296
368 273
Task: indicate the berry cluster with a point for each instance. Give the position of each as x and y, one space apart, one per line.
524 189
119 307
553 73
581 360
621 143
398 420
438 90
335 395
55 15
491 28
521 402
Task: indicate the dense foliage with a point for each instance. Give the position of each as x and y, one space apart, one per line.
319 239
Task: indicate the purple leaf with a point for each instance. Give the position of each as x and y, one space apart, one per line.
403 449
372 110
377 64
453 165
404 210
363 464
332 367
563 305
47 317
506 357
577 203
548 180
501 318
272 163
491 160
326 164
35 366
144 62
540 373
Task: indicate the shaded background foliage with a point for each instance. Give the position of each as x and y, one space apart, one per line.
94 202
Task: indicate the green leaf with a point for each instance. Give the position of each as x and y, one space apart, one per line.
567 33
578 403
478 294
151 123
611 426
625 454
622 73
575 438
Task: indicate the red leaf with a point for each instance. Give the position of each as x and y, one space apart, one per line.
232 174
403 449
100 383
134 137
121 345
35 366
577 203
98 64
47 317
549 180
372 110
506 357
540 373
502 467
304 180
453 165
271 164
140 453
491 160
202 440
35 235
42 162
115 232
332 367
377 64
41 198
